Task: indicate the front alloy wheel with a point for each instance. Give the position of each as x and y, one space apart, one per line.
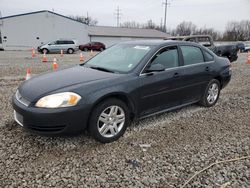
109 120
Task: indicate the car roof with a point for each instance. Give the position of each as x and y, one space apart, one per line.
159 42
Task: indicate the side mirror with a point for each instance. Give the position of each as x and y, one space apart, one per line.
156 68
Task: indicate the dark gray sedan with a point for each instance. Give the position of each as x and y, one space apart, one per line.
128 81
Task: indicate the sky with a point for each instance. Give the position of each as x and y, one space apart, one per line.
203 13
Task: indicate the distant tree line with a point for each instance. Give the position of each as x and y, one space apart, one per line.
234 31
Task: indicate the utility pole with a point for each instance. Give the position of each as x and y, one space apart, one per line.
87 19
165 16
161 25
118 16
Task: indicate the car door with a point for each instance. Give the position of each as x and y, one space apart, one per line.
94 45
54 46
160 90
61 45
196 73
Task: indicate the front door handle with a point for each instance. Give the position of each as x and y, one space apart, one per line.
207 69
176 75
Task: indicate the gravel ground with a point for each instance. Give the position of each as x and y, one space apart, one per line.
161 151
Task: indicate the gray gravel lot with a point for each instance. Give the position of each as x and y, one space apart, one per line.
161 151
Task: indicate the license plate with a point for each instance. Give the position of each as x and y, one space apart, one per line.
18 118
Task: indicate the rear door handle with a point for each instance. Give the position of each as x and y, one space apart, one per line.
207 69
176 75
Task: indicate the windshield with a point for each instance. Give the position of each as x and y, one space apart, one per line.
120 58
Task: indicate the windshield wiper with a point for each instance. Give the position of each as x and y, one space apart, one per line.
101 69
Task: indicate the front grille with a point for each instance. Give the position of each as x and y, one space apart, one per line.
21 99
46 128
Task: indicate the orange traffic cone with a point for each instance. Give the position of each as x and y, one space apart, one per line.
33 52
61 53
28 74
54 66
248 58
81 57
44 58
91 53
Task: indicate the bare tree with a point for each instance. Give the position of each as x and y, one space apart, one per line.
208 31
148 25
87 20
184 28
237 31
131 24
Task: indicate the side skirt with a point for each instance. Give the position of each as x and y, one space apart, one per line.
168 109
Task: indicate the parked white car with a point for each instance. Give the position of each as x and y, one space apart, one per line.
68 46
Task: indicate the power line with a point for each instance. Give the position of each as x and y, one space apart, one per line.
118 16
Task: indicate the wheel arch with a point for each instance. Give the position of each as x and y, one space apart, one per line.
45 49
70 49
121 96
219 78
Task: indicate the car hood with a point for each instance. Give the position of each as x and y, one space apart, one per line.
44 84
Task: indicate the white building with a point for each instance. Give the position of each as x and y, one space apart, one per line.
24 31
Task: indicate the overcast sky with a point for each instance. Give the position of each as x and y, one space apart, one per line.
209 13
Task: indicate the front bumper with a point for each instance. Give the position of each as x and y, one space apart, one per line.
63 121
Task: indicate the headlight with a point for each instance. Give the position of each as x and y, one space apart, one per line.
58 100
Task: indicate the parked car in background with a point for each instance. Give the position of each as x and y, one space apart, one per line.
247 46
230 50
130 80
92 46
68 46
241 46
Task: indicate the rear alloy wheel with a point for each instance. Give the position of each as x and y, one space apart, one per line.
85 49
101 49
109 120
70 51
211 94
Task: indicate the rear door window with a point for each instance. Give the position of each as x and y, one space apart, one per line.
192 55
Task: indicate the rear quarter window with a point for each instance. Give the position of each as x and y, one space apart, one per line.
208 56
192 55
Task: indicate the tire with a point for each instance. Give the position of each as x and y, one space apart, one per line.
214 94
70 51
106 132
85 49
45 50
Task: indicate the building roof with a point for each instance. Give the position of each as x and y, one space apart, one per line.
42 11
125 32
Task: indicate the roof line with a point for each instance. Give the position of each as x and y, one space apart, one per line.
101 35
123 27
36 12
